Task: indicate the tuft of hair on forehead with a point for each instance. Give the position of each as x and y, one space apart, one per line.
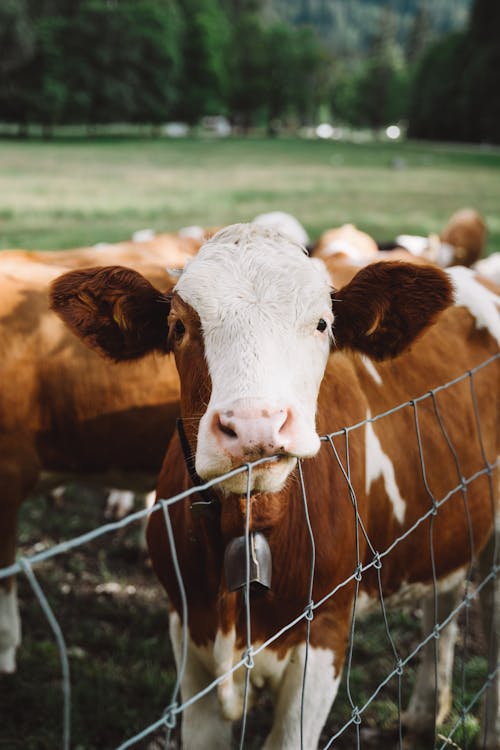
243 235
248 263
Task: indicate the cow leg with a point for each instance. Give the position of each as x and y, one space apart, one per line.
490 606
419 717
18 474
203 727
322 682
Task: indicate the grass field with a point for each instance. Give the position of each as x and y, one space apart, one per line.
111 609
70 192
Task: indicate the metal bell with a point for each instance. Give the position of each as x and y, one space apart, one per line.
235 565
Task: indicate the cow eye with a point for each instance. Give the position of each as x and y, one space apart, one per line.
321 325
179 329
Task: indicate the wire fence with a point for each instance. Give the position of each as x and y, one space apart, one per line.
473 587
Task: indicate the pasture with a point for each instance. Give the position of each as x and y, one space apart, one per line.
110 607
71 193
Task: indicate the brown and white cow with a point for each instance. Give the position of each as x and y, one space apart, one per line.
270 358
64 412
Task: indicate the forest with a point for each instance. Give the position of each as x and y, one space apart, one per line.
272 64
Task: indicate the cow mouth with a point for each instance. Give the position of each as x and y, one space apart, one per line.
269 475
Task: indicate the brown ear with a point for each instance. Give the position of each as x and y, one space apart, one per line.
114 310
387 306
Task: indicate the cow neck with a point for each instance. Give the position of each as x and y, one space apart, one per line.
209 504
230 516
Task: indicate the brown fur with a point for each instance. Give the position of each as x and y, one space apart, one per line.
62 407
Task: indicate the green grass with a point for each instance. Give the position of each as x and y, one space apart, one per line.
74 192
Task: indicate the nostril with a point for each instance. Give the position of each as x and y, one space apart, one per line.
286 417
226 429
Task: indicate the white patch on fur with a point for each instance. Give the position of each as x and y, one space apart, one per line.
284 223
320 692
119 504
414 244
370 367
221 656
203 725
489 267
341 247
230 698
378 464
143 235
482 304
10 629
259 298
195 232
408 594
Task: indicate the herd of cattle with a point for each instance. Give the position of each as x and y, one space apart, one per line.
273 346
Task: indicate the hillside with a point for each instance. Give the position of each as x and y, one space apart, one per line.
347 26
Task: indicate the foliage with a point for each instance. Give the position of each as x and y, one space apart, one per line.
456 95
376 92
257 61
95 61
205 48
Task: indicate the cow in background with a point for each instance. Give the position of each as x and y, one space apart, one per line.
65 414
270 357
461 242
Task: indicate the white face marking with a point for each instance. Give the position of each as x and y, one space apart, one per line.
259 299
378 464
483 304
10 629
370 367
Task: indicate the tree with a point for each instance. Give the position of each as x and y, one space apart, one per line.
419 35
375 92
456 92
248 65
437 106
205 52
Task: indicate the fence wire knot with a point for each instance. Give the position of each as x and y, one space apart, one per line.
399 667
309 611
170 716
377 562
356 718
358 573
436 632
249 662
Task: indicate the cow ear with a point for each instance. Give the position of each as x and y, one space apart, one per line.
114 310
387 306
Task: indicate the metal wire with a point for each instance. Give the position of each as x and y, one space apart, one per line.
175 707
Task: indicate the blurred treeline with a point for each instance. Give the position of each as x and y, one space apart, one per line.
272 63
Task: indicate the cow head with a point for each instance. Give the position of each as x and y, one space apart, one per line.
251 323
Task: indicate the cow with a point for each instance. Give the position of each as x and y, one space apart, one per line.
271 357
461 242
66 415
174 248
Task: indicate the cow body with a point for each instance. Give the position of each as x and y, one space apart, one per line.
65 414
250 391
